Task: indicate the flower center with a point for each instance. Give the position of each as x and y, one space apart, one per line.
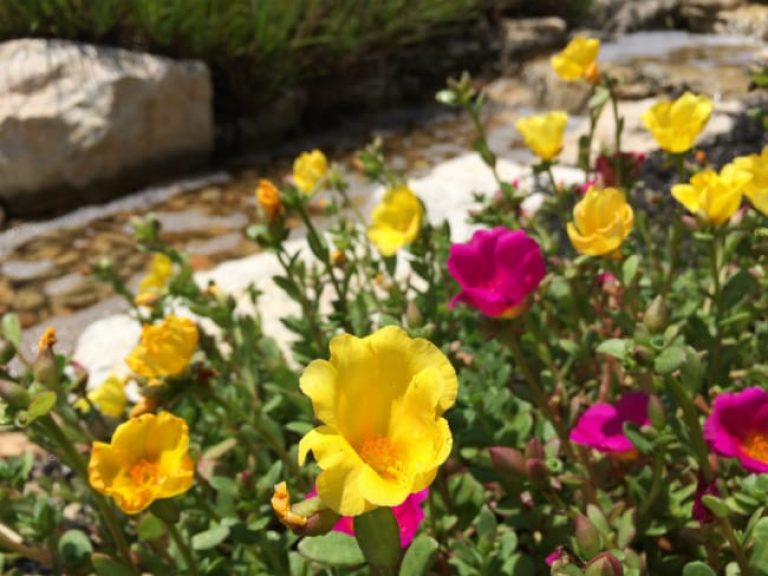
145 473
756 446
381 455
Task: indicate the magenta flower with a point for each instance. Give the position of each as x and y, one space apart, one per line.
602 426
738 427
554 556
409 516
700 511
497 270
629 164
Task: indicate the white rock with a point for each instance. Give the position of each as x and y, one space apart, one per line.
74 116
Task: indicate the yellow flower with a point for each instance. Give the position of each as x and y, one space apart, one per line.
381 401
715 197
165 348
396 221
109 398
543 133
757 188
602 220
146 460
578 59
160 270
308 169
675 125
268 197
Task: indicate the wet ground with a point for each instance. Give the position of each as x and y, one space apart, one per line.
44 270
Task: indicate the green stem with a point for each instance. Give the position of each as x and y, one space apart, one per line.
183 548
306 306
736 547
691 419
658 465
617 130
56 434
715 261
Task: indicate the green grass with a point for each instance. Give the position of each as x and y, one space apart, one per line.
273 44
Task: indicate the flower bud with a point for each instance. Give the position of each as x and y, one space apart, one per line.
44 368
508 462
15 395
536 471
413 316
656 411
656 317
79 375
7 352
604 565
534 449
587 536
319 523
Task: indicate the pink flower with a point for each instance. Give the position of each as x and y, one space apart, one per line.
408 515
738 427
584 188
554 556
497 270
602 426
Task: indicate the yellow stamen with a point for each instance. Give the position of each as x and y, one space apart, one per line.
756 446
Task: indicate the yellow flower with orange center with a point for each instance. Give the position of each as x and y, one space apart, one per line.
713 196
147 460
675 125
602 221
543 133
757 188
308 170
578 60
268 197
381 400
396 221
165 349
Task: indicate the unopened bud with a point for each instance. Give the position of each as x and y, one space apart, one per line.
656 317
656 412
7 352
536 470
413 315
587 536
534 449
319 523
79 376
604 565
508 462
15 395
44 368
338 258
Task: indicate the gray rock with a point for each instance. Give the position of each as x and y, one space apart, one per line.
80 123
526 37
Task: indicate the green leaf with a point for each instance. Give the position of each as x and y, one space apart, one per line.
736 288
616 347
599 98
629 269
758 559
150 528
74 548
332 549
669 360
420 556
698 569
717 506
106 566
11 329
211 538
41 405
223 484
486 523
643 445
378 536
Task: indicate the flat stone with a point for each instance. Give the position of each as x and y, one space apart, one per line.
23 270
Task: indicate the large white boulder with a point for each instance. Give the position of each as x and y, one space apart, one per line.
79 123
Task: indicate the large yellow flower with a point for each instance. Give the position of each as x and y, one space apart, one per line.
675 125
396 221
165 348
381 401
146 460
308 169
602 221
578 59
757 188
543 133
715 197
109 398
